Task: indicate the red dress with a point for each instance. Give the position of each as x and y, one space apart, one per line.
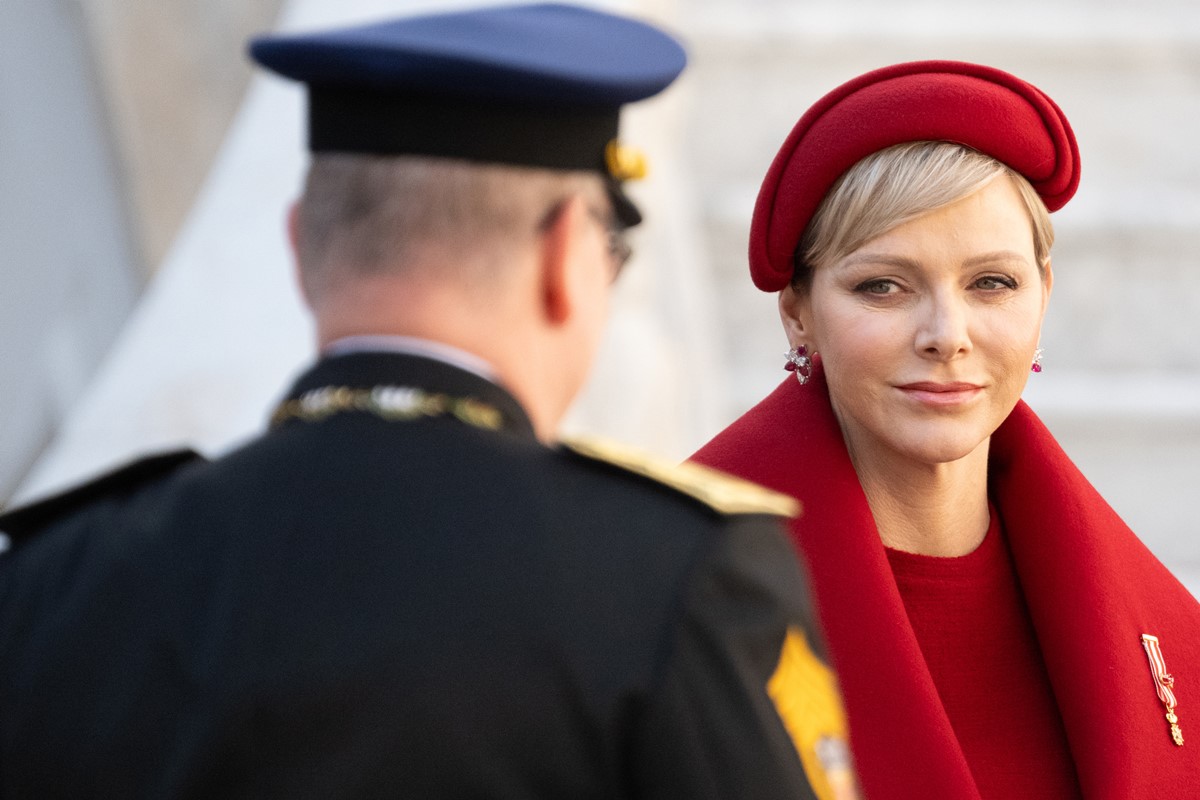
1091 587
978 641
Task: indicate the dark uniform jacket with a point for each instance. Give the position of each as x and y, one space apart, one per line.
396 594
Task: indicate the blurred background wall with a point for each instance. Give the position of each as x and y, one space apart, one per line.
111 112
147 301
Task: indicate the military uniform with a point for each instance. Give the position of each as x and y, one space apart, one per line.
398 591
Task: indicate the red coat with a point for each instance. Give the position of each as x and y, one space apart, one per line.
1092 587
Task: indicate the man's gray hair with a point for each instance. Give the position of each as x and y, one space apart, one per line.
366 215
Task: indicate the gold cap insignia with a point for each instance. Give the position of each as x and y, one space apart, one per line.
625 163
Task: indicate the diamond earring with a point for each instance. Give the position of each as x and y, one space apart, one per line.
799 363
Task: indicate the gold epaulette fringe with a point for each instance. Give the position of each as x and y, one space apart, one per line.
725 493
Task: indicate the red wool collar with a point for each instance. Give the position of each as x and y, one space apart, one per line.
1092 587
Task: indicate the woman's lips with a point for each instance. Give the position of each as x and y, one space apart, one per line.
941 394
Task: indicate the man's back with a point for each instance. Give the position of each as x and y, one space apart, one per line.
356 606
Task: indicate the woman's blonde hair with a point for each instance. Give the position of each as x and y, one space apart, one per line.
898 184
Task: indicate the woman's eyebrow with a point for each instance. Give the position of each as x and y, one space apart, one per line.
996 257
886 259
892 260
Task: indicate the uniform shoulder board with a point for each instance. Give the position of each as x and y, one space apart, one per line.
720 491
27 520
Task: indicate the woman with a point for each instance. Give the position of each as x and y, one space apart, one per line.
997 629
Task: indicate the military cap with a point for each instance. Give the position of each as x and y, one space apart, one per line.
981 107
531 85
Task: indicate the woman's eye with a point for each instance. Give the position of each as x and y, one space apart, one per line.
992 282
878 286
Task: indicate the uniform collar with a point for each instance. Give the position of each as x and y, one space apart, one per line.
368 369
413 346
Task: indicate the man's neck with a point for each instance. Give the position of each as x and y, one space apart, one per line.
413 345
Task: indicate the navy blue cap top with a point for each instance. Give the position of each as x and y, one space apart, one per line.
536 85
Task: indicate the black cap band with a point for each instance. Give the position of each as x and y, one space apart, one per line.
389 123
345 120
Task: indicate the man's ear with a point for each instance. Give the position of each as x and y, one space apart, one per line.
558 259
293 234
293 227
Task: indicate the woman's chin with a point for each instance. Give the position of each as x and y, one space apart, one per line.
938 450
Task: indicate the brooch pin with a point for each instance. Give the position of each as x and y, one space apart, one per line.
1164 684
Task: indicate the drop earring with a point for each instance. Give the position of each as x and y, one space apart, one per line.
1037 360
799 363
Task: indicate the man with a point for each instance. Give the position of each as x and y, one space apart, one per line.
406 587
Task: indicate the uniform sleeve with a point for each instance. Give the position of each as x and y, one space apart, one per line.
738 664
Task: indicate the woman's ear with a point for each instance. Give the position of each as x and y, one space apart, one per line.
1047 285
794 313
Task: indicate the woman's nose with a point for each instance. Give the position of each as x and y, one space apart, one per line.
943 326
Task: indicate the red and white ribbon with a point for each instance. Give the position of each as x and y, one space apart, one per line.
1164 682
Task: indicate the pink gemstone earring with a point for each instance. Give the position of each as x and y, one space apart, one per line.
1037 360
799 363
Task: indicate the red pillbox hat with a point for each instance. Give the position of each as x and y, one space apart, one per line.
986 109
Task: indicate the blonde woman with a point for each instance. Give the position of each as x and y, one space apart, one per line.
997 629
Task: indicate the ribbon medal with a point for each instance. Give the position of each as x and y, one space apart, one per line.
1164 684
